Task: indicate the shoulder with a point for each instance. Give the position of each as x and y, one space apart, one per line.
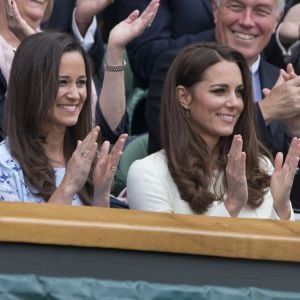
6 158
155 161
9 166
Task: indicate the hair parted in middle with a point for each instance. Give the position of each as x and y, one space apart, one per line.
32 92
187 153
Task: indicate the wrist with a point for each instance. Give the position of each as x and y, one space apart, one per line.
101 199
233 207
82 19
283 211
266 111
61 196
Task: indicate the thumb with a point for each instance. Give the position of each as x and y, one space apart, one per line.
266 92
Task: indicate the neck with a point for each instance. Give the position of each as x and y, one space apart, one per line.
54 148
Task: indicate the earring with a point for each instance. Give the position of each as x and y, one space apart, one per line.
187 113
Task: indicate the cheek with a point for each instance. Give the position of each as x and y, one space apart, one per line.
268 27
83 95
242 105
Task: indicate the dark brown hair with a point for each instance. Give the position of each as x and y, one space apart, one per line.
187 153
32 91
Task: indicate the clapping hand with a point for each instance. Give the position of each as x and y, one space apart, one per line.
283 100
237 195
80 163
105 170
282 179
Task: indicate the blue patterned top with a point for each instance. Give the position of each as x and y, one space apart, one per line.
12 182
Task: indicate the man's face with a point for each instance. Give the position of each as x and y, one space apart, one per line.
245 25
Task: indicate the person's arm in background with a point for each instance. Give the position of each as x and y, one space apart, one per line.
112 98
168 30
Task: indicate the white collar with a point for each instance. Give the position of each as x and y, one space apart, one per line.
255 66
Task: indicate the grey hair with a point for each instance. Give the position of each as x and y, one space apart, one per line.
279 9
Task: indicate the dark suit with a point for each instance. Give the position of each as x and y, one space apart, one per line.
175 25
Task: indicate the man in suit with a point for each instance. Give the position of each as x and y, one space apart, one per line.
176 24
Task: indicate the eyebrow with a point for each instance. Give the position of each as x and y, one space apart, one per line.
66 76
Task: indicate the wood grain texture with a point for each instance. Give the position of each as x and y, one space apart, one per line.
133 230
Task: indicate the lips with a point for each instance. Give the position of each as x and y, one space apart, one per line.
244 36
227 117
67 107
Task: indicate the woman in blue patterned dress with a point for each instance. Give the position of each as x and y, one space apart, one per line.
51 152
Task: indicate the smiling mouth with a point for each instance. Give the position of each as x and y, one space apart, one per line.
68 108
226 117
244 36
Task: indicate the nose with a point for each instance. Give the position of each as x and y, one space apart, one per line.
246 18
234 102
73 92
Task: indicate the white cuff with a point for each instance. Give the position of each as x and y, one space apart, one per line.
88 40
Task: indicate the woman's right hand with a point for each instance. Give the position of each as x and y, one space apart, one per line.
237 194
79 165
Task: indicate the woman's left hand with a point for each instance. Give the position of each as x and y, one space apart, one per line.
105 170
283 177
134 25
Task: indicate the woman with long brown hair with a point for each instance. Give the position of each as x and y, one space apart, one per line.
205 166
50 153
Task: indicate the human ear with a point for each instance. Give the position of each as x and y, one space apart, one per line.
184 97
214 10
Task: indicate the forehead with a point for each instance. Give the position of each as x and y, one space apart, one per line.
253 3
223 71
72 61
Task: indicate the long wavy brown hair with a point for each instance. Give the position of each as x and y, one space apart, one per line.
188 157
32 91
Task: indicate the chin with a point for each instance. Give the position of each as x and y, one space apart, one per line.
225 133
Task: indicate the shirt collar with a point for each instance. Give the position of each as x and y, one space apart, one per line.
255 66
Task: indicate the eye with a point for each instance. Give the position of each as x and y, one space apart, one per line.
62 82
263 12
236 7
81 82
219 91
239 92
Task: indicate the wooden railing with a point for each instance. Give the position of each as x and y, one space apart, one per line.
158 232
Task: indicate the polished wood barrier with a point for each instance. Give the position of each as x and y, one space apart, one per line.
124 229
